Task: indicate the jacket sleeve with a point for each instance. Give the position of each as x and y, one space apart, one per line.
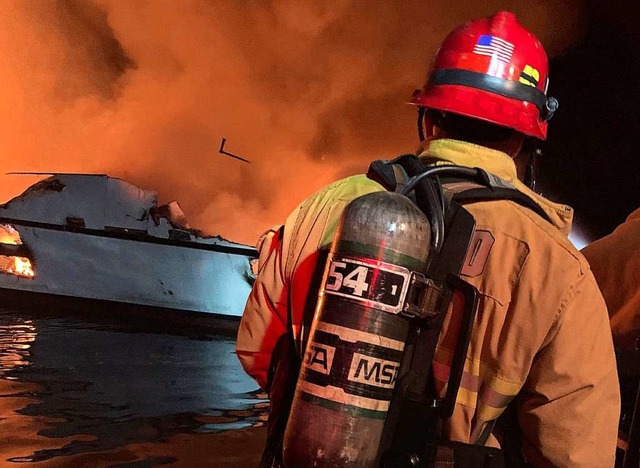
570 404
265 315
288 260
615 262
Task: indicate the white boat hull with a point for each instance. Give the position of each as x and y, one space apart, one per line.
167 274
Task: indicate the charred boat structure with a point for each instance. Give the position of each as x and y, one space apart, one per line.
90 237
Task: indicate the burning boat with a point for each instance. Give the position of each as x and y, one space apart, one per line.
90 237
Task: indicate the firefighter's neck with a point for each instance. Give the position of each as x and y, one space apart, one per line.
522 162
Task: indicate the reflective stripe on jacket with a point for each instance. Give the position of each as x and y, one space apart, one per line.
615 261
542 330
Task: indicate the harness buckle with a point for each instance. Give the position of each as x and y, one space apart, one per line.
424 297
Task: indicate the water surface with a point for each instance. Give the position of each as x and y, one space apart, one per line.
80 390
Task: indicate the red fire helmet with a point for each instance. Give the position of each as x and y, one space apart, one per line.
492 69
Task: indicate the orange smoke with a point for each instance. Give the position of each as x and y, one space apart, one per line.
142 90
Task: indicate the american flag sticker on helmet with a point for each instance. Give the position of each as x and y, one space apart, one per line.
494 47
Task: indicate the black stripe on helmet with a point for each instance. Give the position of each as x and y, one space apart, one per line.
492 84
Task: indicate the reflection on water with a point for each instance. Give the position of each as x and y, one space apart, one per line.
16 337
77 392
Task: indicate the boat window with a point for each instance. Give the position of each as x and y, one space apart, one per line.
75 222
179 234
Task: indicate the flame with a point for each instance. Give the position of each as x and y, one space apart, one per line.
8 235
19 266
22 267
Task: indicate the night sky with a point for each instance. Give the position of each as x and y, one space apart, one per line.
591 157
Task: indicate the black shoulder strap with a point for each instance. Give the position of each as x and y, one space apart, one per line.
500 193
393 175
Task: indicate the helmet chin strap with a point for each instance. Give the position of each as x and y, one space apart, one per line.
421 112
530 175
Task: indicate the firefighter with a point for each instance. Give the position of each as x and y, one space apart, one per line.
541 342
615 261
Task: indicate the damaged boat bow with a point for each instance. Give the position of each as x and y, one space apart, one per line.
99 238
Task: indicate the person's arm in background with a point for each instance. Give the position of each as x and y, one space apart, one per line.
570 405
265 315
615 262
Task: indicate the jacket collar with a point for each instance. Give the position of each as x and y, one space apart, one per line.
461 153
